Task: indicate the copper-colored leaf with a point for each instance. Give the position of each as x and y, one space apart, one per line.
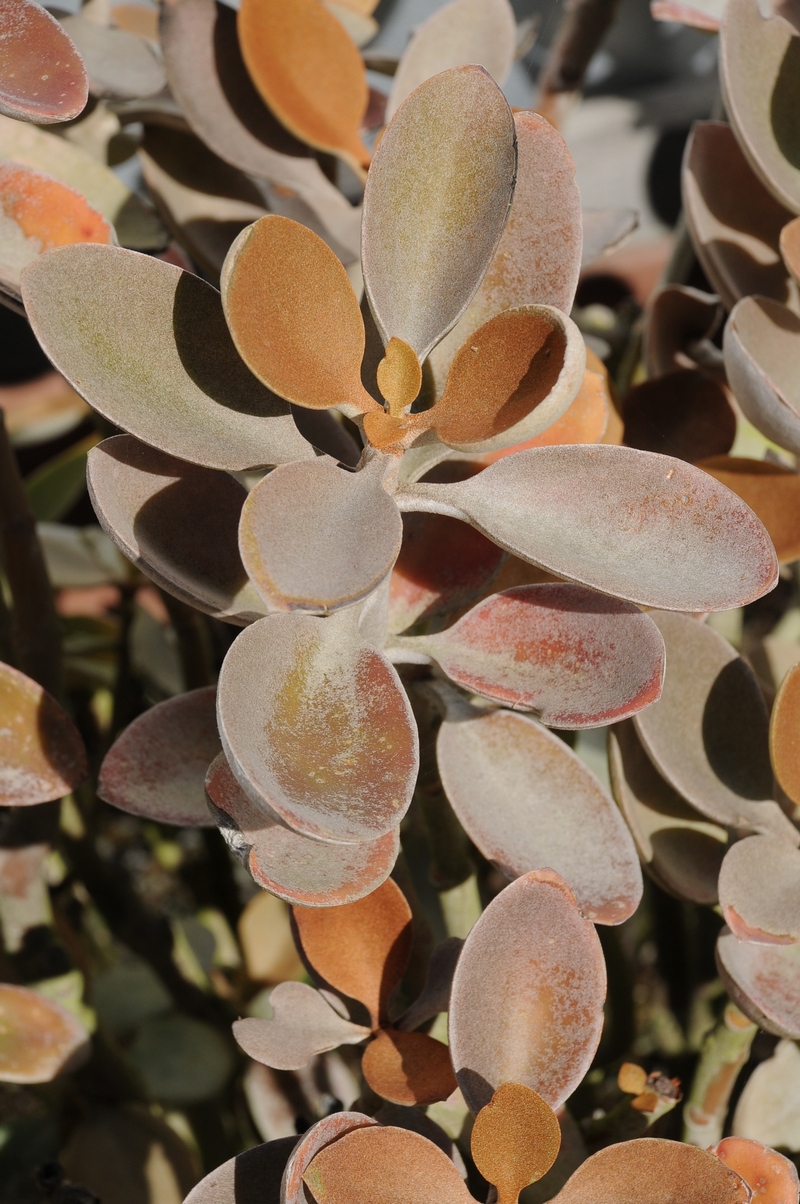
784 734
515 1140
762 344
302 1025
435 204
759 890
253 1177
120 65
408 1068
157 767
683 413
771 491
38 1038
153 355
308 72
528 802
771 1177
651 1169
527 999
41 753
642 526
316 724
360 949
177 522
764 980
43 77
679 318
790 247
320 1135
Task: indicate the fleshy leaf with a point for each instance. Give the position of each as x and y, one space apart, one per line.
708 733
39 1039
762 343
679 318
532 975
768 1110
528 802
653 1169
645 527
771 1177
315 724
515 1140
360 949
683 414
302 1025
320 1135
770 490
764 981
784 734
435 204
253 1177
790 247
43 76
408 1068
154 356
309 873
120 65
175 521
42 757
759 890
156 768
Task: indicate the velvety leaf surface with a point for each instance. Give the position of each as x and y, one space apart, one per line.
762 343
120 65
43 77
527 999
38 1038
586 420
679 317
784 734
360 949
770 490
771 1177
408 1068
316 724
664 1172
320 1135
528 802
759 890
41 752
683 413
642 526
302 1025
253 1177
154 356
175 521
764 980
515 1140
435 204
156 768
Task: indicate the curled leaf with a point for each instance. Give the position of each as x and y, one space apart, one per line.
653 1169
771 491
771 1177
41 752
764 981
408 1068
320 1135
679 319
759 890
38 1038
302 1025
515 1140
43 76
762 342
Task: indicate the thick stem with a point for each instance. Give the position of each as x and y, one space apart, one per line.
724 1053
583 27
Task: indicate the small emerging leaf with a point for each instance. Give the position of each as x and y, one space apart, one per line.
515 1140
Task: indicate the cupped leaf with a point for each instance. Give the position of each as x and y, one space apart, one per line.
759 890
177 522
790 247
771 1177
146 344
120 65
679 319
302 1025
408 1068
642 526
680 849
316 725
320 1135
309 873
253 1177
157 767
772 491
708 733
532 975
764 981
38 1038
735 223
515 1140
42 757
761 345
653 1169
528 802
360 949
574 657
784 734
308 71
43 76
435 204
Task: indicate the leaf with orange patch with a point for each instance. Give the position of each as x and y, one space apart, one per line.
759 890
408 1068
41 752
320 1135
38 1038
764 981
771 1177
784 734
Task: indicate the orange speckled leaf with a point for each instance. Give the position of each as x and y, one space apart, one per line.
650 1168
528 802
784 734
678 317
515 1140
771 1177
360 949
771 491
435 204
42 77
761 346
302 1025
252 1176
157 767
39 1039
294 316
41 753
408 1068
527 999
683 414
790 247
309 73
764 981
320 1135
316 726
759 890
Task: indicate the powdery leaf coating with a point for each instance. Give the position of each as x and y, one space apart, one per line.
320 1135
528 802
708 733
515 1140
538 258
644 527
764 981
658 1171
771 1177
308 71
156 768
784 734
385 1165
461 32
435 203
347 526
761 346
683 413
790 247
38 1038
772 491
735 223
678 317
316 725
680 849
360 949
768 1110
42 757
408 1068
253 1177
309 873
175 521
527 999
302 1025
146 344
760 79
759 890
43 76
120 65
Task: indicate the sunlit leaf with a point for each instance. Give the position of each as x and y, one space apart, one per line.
408 1068
771 1177
515 1140
41 753
43 77
679 318
264 930
39 1039
253 1177
784 734
768 1110
683 413
653 1169
762 343
604 230
771 491
120 65
790 247
302 1025
759 890
320 1135
764 980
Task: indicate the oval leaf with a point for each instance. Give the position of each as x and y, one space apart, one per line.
43 76
302 1025
515 1140
762 343
320 1135
408 1068
790 247
764 981
771 1177
759 890
653 1169
42 757
120 65
253 1175
771 491
784 734
38 1038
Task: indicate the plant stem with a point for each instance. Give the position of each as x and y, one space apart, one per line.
583 27
724 1053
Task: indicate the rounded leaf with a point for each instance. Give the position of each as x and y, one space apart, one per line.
120 65
302 1025
784 734
759 890
42 757
762 343
320 1135
43 76
764 981
790 247
771 491
408 1068
515 1140
653 1169
771 1177
254 1175
39 1039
